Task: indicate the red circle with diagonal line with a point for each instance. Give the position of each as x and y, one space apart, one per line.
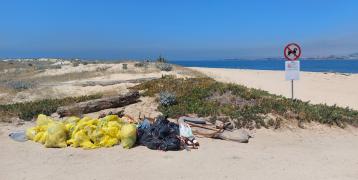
292 52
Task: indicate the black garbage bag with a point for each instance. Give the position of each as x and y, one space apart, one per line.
161 135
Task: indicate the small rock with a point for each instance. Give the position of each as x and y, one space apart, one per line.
239 135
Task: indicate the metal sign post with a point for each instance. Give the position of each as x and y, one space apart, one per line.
291 89
292 66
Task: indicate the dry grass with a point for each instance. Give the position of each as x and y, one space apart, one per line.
31 81
66 77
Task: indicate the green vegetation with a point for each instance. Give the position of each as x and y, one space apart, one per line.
164 66
247 107
141 64
166 98
28 110
20 85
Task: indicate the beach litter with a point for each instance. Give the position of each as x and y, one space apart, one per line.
187 136
161 135
87 133
19 136
220 130
111 130
128 135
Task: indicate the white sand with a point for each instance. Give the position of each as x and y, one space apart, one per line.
316 153
57 89
315 87
320 154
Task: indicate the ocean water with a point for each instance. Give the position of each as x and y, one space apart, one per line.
341 66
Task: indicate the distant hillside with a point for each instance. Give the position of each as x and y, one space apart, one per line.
335 57
353 56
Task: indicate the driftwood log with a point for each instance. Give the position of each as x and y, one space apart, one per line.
99 104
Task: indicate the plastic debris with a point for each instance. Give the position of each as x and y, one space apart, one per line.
161 135
185 130
31 133
56 135
87 133
128 135
18 136
186 135
144 124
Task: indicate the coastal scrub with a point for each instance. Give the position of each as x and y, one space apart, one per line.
247 107
28 110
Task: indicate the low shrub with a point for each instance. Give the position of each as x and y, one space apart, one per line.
141 64
164 66
28 110
167 98
20 85
194 95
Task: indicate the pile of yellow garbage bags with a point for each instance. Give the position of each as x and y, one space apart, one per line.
87 133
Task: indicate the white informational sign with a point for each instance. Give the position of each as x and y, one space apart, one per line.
292 70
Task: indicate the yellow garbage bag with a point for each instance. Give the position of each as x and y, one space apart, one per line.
80 139
82 132
72 120
87 132
110 118
85 123
43 120
106 134
114 129
40 137
31 133
39 132
56 135
108 141
70 123
128 135
96 136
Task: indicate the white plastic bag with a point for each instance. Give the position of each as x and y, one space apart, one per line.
185 130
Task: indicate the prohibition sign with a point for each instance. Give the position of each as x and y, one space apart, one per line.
292 52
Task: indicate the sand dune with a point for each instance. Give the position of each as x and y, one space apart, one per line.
317 152
318 88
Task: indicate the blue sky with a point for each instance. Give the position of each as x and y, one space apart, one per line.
179 30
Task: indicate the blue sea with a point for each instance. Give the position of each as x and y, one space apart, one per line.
340 66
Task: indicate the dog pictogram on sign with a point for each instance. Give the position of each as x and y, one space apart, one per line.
292 52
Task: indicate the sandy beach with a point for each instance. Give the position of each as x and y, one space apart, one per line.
319 153
316 152
152 90
330 88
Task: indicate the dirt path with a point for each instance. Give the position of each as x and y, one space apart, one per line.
290 154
